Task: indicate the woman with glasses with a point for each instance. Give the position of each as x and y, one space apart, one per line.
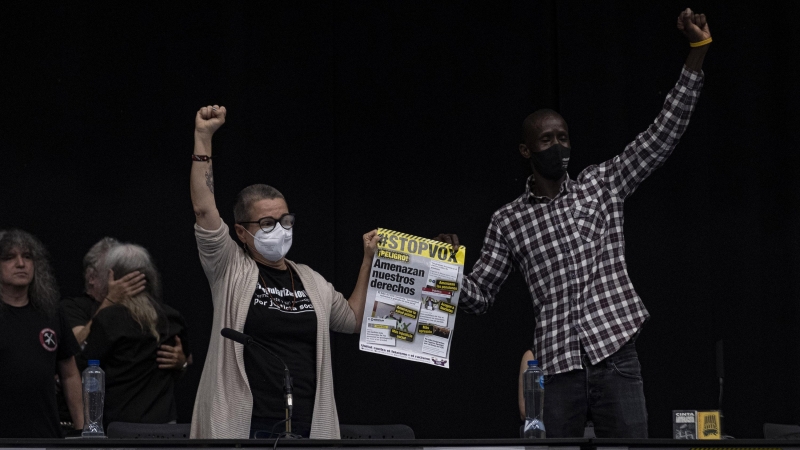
286 307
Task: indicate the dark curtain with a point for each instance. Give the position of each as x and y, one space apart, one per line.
406 115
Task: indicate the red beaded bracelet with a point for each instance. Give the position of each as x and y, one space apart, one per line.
201 158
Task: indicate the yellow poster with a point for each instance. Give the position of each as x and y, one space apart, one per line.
412 299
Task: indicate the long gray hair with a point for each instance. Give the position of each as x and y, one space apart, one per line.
43 291
144 306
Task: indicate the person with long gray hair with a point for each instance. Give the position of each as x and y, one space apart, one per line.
125 336
79 310
35 343
286 307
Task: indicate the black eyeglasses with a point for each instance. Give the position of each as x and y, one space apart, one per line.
268 223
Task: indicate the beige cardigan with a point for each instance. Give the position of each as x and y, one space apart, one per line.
224 403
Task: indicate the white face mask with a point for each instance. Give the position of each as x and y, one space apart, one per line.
273 245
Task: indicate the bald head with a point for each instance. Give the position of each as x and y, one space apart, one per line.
533 125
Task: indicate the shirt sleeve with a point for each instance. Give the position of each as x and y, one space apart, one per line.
342 317
217 249
185 342
178 322
68 345
74 314
101 337
651 148
480 287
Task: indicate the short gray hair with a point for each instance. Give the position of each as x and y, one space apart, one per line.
250 195
98 251
95 255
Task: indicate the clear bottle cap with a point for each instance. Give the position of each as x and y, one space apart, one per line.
94 362
533 362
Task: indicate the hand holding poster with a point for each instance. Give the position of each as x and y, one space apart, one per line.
412 298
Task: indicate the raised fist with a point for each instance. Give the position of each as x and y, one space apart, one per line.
209 119
693 26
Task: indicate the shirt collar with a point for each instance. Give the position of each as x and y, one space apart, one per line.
566 187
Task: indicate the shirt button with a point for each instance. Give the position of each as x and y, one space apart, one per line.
571 275
574 301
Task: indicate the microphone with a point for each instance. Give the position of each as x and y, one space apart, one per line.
245 339
236 336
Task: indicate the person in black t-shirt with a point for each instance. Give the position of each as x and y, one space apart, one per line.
35 343
79 312
126 333
282 318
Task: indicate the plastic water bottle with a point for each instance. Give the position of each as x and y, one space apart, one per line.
533 389
94 393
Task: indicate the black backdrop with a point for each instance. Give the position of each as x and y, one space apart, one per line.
406 115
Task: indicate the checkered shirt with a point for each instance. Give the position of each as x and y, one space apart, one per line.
571 249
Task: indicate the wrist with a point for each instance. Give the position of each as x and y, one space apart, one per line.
203 135
694 61
701 43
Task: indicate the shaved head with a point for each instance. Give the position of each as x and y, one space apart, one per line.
531 126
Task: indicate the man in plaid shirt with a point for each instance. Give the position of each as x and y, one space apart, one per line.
566 237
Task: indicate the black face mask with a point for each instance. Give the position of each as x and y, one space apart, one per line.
551 163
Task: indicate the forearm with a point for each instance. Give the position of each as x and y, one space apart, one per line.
651 148
479 287
473 299
202 184
71 383
82 332
695 59
358 298
72 392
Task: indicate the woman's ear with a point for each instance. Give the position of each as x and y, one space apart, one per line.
241 233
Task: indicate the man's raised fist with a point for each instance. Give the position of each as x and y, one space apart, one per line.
693 26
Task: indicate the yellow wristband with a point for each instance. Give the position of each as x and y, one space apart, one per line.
701 43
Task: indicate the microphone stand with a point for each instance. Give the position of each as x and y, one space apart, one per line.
287 385
246 340
721 377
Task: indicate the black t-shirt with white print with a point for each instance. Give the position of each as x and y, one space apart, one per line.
288 327
31 346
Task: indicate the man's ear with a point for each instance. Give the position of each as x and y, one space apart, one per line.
90 275
524 151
